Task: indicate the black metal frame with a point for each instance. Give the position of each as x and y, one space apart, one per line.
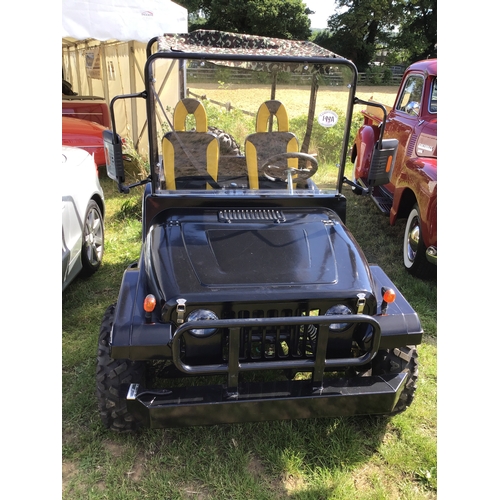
258 402
149 79
317 366
238 401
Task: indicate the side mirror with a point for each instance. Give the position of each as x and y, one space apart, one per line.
382 164
114 156
413 108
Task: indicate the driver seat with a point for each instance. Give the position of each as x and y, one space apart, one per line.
187 155
265 143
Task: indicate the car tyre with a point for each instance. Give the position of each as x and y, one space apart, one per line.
399 360
414 256
113 377
92 239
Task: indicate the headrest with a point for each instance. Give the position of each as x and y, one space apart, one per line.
186 107
266 110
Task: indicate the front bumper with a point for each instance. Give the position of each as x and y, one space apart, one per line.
432 255
257 402
237 401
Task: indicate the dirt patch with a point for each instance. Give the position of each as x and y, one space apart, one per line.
113 449
364 479
293 484
258 471
193 490
136 472
68 471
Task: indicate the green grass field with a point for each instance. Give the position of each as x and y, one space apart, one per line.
340 458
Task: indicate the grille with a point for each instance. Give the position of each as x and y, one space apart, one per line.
251 216
274 342
411 144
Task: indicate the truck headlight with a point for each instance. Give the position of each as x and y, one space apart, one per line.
202 315
336 310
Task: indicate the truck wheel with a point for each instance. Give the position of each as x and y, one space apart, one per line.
92 239
113 376
414 248
399 360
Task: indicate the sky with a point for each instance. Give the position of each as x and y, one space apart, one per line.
323 8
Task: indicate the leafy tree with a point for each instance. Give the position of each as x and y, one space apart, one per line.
405 28
417 34
274 18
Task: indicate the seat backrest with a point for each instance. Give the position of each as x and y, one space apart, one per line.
264 143
190 154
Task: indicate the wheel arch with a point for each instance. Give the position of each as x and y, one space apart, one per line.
403 204
363 147
100 203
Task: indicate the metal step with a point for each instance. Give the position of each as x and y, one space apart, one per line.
382 199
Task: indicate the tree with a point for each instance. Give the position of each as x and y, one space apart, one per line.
360 28
417 34
274 18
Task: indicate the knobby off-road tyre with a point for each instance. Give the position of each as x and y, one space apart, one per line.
113 376
92 239
414 257
227 143
399 360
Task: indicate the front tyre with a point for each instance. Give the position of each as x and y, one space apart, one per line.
92 239
399 360
414 256
113 378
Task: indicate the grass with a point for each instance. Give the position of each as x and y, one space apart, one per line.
339 458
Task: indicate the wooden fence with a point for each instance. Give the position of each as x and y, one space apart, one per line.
214 74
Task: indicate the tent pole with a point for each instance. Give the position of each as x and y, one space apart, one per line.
133 90
104 70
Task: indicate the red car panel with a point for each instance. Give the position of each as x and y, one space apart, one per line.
85 135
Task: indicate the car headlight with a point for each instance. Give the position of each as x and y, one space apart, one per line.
202 315
338 309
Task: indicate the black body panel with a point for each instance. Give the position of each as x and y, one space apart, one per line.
257 402
199 257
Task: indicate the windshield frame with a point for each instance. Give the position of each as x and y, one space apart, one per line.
154 153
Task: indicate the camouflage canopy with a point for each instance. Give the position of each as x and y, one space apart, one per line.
220 42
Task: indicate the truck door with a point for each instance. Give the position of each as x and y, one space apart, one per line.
404 121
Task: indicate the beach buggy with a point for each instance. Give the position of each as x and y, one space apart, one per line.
251 300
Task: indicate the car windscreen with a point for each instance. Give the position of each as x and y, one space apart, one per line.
252 126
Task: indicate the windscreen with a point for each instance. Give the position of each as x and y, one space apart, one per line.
251 126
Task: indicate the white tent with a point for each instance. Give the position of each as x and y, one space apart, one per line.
104 51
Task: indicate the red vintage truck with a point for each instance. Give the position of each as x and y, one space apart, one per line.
406 185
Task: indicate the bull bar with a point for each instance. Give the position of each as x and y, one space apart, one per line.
237 401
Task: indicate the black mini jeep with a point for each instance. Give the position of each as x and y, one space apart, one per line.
251 300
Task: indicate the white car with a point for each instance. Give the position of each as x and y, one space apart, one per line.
82 215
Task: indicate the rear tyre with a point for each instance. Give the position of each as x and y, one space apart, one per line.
227 143
92 239
113 378
399 360
414 257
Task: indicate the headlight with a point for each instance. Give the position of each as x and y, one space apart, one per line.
202 315
338 309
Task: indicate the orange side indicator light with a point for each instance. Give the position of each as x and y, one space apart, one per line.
149 306
388 164
388 297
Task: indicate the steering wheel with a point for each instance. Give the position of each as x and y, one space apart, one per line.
283 173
